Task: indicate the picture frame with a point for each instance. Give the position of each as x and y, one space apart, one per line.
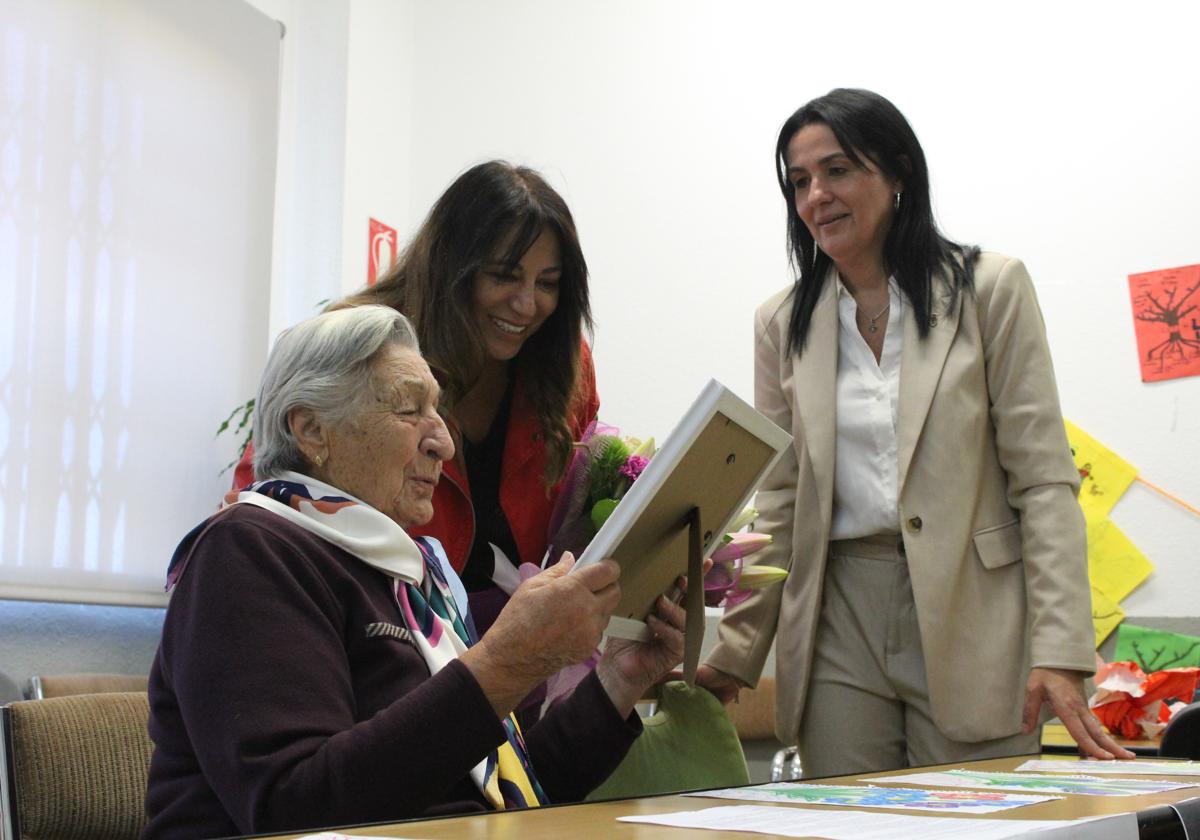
711 463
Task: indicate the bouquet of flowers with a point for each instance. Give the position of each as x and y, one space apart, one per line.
601 471
604 467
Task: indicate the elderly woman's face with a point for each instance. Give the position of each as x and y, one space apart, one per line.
390 453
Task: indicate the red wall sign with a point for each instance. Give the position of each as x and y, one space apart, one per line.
383 248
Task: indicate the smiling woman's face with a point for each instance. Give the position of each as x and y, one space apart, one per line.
513 301
389 454
847 208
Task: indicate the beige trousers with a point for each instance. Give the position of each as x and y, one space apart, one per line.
867 706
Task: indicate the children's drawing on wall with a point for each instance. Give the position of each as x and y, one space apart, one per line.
1166 318
1115 566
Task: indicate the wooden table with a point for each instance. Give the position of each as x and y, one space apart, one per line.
599 819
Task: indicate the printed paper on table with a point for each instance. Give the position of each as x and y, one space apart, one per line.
1166 318
1141 767
833 824
1039 782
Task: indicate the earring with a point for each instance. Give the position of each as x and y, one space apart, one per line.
318 460
897 201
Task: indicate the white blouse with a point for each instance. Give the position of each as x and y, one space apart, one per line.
865 482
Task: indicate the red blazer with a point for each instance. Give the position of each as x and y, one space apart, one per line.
523 496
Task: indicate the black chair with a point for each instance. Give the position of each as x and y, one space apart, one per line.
1181 738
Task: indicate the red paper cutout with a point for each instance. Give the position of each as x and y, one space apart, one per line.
1166 318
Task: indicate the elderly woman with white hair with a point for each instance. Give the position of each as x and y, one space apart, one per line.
318 666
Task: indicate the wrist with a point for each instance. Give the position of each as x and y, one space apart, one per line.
622 692
503 685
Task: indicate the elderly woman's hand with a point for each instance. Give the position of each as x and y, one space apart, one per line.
552 620
628 669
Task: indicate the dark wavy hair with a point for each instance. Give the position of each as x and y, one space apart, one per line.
493 213
869 126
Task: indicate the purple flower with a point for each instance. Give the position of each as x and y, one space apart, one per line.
633 467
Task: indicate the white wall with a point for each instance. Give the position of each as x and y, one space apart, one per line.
379 128
311 177
1062 133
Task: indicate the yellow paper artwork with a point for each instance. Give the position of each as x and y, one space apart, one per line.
1106 614
1115 566
1104 475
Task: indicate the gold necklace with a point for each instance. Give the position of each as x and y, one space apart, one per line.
871 326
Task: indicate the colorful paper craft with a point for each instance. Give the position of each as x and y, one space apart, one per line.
1132 704
872 796
1040 782
1166 318
1104 475
1154 650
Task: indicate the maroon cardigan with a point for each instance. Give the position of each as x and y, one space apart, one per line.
285 696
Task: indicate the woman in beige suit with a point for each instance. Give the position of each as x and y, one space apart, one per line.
938 598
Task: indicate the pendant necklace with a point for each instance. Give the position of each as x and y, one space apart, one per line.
871 326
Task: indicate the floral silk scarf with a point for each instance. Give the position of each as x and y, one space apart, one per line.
426 602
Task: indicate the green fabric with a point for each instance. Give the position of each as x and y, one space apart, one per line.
688 744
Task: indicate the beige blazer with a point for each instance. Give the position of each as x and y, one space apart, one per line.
992 529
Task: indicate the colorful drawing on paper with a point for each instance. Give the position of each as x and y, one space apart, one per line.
1039 782
1104 475
383 247
871 796
1141 767
1156 650
1166 318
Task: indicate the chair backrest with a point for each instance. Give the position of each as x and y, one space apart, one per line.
1181 738
688 744
753 714
9 690
78 766
42 686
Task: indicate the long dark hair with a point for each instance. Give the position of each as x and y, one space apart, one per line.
867 125
493 212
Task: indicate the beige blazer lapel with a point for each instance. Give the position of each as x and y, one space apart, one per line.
921 363
815 381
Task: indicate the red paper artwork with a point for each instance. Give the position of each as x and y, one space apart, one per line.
1166 317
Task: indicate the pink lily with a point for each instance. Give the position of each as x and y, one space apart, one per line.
741 544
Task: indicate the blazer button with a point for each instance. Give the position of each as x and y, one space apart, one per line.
933 320
914 524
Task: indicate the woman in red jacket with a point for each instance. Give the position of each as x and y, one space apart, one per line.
496 285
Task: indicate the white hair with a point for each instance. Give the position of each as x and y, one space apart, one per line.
323 364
